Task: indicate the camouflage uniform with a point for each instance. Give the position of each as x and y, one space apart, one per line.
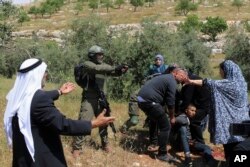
90 107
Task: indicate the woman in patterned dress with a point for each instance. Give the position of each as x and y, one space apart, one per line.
229 100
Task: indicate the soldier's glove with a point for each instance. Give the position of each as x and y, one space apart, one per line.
118 69
125 68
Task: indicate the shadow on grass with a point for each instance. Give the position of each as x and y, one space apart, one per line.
135 141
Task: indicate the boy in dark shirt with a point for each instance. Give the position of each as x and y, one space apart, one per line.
181 128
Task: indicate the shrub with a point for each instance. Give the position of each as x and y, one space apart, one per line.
213 26
22 17
185 6
136 3
237 48
191 23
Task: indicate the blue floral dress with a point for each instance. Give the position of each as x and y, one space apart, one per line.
229 103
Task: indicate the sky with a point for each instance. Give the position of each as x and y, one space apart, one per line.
17 2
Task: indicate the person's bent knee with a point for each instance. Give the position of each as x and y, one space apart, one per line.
182 130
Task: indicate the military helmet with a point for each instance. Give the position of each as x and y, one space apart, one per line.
93 50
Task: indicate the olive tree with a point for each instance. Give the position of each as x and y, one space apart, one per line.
22 17
237 48
136 3
119 3
213 26
238 4
191 23
185 6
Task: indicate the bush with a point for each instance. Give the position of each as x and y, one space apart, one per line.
5 33
185 6
195 53
7 10
60 60
22 17
136 3
237 48
246 25
191 23
93 4
88 32
214 26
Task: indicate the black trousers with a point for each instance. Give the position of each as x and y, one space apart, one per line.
228 149
158 119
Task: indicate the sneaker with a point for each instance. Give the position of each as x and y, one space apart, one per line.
188 162
167 158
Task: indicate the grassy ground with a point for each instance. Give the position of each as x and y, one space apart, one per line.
162 8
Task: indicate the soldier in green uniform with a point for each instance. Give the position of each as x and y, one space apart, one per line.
97 72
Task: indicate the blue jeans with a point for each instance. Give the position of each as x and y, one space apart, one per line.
182 131
200 147
206 150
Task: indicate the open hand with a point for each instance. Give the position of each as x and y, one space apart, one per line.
101 120
67 88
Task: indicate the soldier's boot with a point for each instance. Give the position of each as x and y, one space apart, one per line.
133 114
134 117
105 147
132 121
77 146
103 131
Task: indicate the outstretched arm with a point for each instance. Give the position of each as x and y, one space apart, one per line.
67 88
195 82
45 114
102 120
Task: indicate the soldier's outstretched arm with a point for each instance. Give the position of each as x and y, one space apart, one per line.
98 68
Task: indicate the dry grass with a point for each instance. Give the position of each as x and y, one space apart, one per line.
5 153
162 8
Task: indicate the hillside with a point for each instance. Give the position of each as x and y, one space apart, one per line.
164 9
